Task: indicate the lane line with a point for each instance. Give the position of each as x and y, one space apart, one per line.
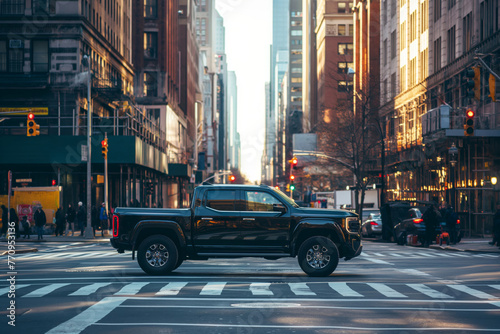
422 288
131 288
344 290
386 291
261 289
88 317
45 290
87 290
301 289
213 288
471 291
171 289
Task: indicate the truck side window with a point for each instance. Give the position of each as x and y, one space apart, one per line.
222 200
259 201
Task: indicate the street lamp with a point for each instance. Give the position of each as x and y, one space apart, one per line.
453 151
88 230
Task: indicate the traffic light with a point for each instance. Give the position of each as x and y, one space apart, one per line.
294 162
292 178
469 82
232 178
469 123
477 83
292 187
492 86
104 144
32 126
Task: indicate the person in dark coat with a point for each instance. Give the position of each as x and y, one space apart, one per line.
431 218
15 219
496 227
95 219
103 217
70 220
4 221
40 221
81 218
60 222
26 227
451 218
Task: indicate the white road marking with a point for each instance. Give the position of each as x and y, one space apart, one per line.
424 254
132 288
45 290
18 286
213 288
495 286
171 289
422 288
413 272
386 291
301 289
88 289
261 289
397 255
88 317
344 290
472 292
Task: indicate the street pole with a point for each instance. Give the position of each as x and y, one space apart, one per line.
88 230
106 175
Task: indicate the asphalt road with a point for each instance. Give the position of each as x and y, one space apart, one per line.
89 288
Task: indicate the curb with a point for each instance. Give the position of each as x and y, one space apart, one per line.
21 251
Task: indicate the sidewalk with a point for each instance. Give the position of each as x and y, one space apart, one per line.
470 245
30 245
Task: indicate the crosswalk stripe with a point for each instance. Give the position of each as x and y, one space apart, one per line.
422 288
495 286
386 291
471 291
87 290
443 254
261 289
379 254
45 290
18 286
171 289
424 254
131 289
213 288
460 255
344 290
397 255
301 289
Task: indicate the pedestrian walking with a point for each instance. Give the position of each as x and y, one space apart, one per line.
70 220
5 223
496 228
40 221
431 218
15 219
26 227
60 222
451 218
81 218
103 216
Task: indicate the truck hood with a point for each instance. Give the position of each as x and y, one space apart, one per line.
314 212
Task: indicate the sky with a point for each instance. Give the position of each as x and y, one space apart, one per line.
248 26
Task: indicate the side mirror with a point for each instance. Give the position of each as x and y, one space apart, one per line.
279 208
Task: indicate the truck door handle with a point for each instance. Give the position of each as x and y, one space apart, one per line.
248 218
207 218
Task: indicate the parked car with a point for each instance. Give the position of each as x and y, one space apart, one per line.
372 226
411 224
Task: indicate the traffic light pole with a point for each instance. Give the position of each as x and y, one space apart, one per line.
106 177
89 234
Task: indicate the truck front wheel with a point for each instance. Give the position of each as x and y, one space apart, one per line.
318 256
157 255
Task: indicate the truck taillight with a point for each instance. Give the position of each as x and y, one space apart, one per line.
458 221
116 226
418 220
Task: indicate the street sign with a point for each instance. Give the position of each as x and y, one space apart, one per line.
85 153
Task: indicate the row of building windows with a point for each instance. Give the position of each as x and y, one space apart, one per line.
12 56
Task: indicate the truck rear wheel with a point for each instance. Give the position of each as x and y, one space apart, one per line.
318 256
157 255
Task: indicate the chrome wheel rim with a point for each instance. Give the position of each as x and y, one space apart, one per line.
157 255
317 257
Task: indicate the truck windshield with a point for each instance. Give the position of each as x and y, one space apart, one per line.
287 199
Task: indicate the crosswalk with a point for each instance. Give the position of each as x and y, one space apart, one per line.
356 290
376 257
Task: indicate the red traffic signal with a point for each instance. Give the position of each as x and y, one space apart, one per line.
232 178
470 113
292 177
54 182
104 144
294 161
469 123
31 116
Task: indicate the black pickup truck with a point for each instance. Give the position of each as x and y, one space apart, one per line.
229 221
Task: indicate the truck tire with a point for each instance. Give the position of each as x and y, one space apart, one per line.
157 255
318 256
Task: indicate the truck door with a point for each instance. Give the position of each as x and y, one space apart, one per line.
216 221
264 225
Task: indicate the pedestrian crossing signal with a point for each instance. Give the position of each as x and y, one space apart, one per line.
32 129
